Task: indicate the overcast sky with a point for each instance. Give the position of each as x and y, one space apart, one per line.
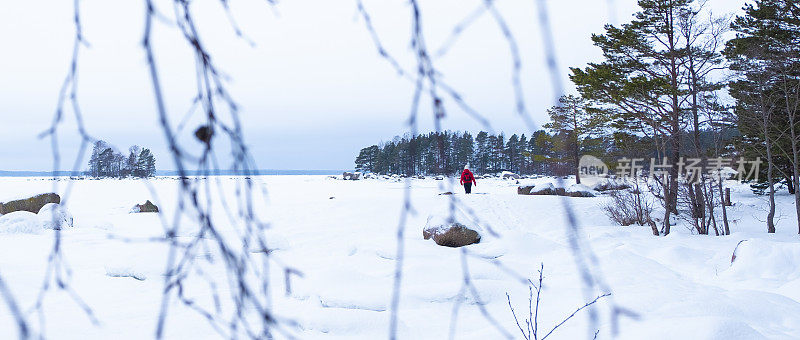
312 89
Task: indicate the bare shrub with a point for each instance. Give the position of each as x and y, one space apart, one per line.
700 205
629 207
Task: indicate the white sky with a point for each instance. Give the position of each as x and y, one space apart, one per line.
312 91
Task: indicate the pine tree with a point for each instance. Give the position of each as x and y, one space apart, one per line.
94 160
367 159
542 152
511 153
498 152
130 162
481 152
576 120
522 163
764 55
146 164
641 82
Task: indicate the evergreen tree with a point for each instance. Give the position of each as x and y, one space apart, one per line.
766 57
644 82
130 162
577 122
481 152
542 152
522 163
367 159
146 164
498 153
94 160
512 153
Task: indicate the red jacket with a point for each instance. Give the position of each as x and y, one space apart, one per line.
467 177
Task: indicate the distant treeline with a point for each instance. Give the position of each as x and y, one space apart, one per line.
106 162
446 153
544 153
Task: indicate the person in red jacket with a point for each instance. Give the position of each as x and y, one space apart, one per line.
468 179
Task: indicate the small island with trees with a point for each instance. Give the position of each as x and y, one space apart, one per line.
106 162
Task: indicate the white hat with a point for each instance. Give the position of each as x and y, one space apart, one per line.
466 167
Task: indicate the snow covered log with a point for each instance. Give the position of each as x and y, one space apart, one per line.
32 204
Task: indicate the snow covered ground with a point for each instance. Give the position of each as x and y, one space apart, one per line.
342 236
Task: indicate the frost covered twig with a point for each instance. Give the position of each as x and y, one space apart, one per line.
533 319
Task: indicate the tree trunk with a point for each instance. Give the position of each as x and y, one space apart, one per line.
577 160
771 213
693 204
727 230
792 112
795 168
701 211
727 198
671 195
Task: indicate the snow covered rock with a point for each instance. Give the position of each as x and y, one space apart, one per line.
144 208
31 204
351 176
543 189
509 174
579 190
487 176
525 189
727 173
55 216
439 178
449 234
761 259
574 190
20 222
50 216
610 184
454 236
